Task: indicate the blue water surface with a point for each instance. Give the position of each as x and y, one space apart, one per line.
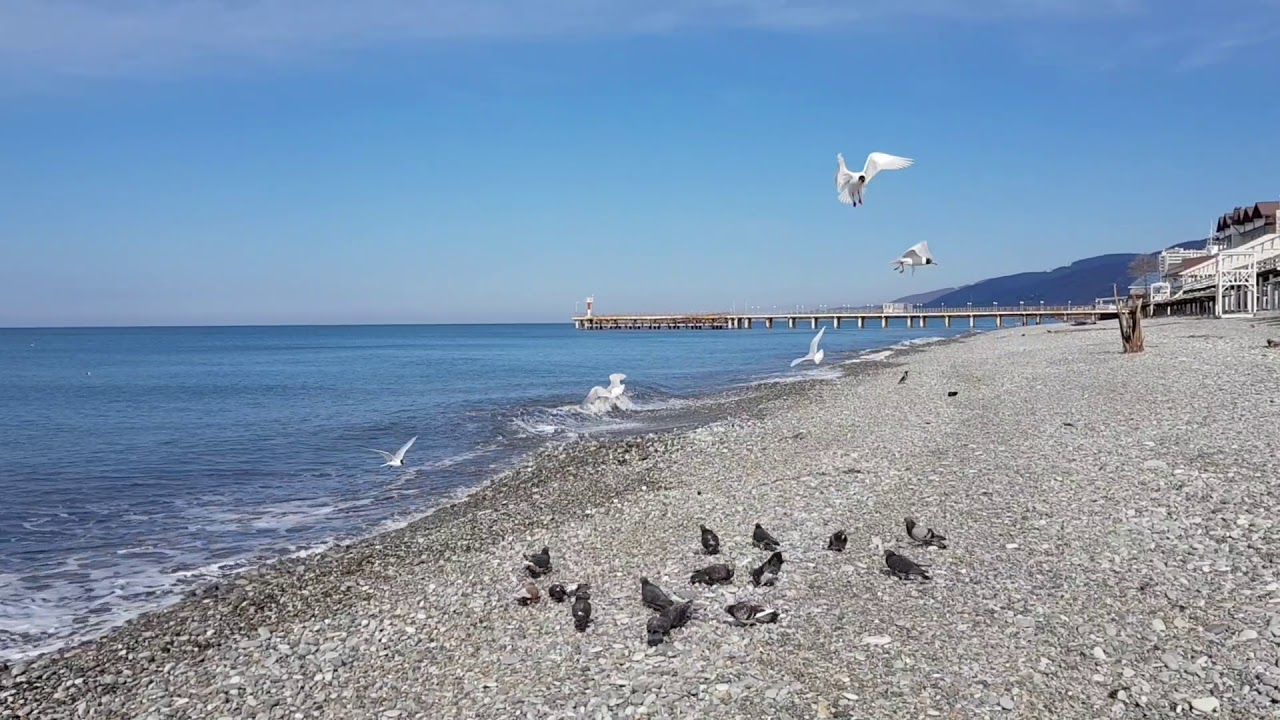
136 462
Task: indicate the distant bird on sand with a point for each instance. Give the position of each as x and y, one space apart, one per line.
838 541
657 628
395 459
904 376
538 564
767 573
528 594
902 566
1273 343
924 536
558 593
710 541
745 613
851 185
917 256
581 611
763 540
814 353
952 393
717 574
654 597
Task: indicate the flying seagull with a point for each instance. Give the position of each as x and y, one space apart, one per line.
814 353
851 185
917 256
396 459
925 536
710 541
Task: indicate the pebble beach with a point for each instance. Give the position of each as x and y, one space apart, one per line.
1114 552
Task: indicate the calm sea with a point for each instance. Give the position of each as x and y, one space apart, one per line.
135 463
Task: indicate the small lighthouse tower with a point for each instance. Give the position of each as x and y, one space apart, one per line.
591 300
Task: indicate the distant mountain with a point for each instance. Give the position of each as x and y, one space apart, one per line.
924 297
1080 282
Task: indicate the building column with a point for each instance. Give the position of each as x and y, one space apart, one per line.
835 323
791 323
946 319
768 323
973 321
884 321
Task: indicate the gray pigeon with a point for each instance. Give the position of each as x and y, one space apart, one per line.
581 611
767 573
710 541
528 594
838 541
718 574
538 564
745 613
904 377
657 628
902 566
679 613
558 593
653 596
763 540
925 536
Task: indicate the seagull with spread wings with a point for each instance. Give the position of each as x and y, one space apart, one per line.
850 185
917 255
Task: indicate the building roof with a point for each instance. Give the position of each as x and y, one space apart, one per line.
1265 211
1190 263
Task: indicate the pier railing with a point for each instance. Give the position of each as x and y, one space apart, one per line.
917 316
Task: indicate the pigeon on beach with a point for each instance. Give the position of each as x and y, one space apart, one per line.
745 613
850 186
717 574
395 459
952 393
904 377
763 540
710 541
538 564
653 596
925 536
814 353
767 573
902 566
528 594
558 593
581 611
838 541
660 625
917 256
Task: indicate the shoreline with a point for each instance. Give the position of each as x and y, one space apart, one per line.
706 408
1076 523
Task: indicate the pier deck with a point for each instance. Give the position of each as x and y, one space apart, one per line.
918 317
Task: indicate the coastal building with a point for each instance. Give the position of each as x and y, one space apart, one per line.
1238 270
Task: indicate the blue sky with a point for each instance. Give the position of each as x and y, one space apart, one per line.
282 161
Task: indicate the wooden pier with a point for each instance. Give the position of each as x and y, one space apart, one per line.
911 318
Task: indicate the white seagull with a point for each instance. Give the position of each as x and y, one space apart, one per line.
850 185
397 459
814 353
918 255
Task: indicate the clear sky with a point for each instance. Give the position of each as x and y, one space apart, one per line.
300 161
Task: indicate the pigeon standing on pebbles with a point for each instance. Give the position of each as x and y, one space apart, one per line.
767 573
653 596
904 377
538 564
710 541
744 613
558 593
838 541
528 594
903 567
657 628
718 574
925 536
581 611
763 540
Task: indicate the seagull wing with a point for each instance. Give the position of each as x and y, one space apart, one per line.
616 379
917 253
385 455
797 361
405 448
813 344
846 193
878 161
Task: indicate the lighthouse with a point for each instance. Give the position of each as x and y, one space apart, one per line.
590 301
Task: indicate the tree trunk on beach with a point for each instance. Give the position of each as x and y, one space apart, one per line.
1130 316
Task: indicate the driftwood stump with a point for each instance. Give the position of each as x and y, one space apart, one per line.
1130 315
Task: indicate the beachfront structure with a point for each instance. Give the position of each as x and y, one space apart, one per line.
1239 270
907 315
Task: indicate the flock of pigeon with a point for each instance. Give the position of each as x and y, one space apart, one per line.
850 187
673 612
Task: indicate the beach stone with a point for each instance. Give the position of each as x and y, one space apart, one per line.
1205 704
